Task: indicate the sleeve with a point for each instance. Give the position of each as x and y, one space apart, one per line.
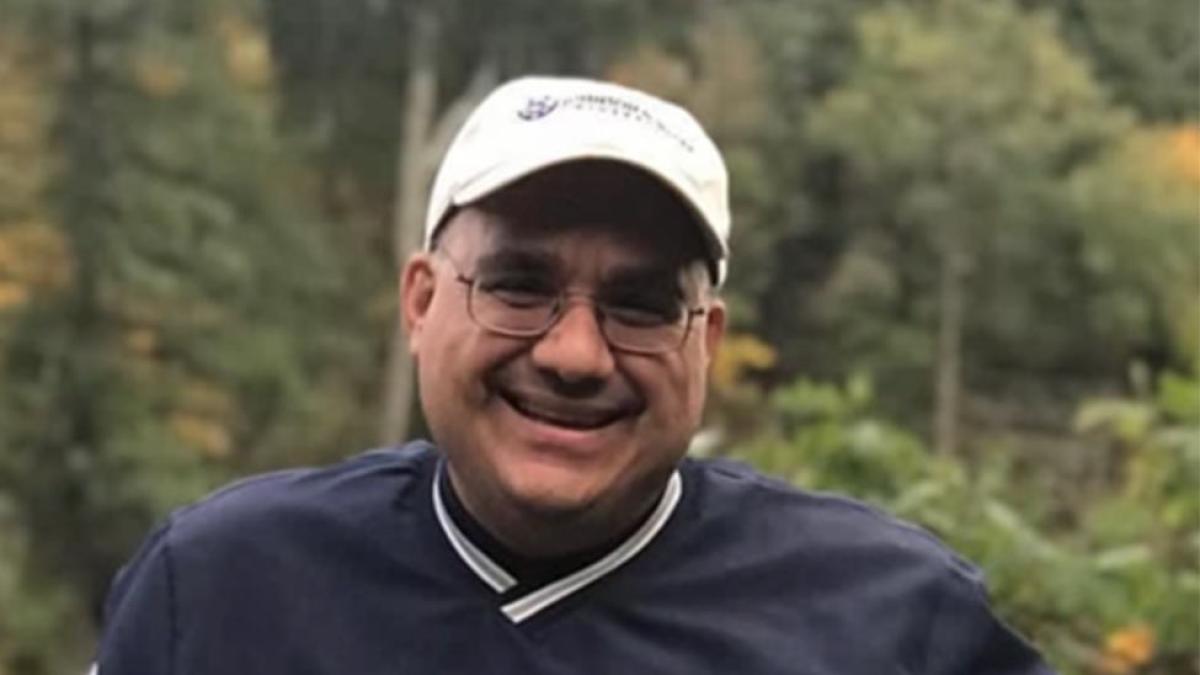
138 636
966 637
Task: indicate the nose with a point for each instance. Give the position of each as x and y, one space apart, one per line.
574 350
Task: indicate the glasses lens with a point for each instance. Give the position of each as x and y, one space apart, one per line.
524 311
645 339
512 312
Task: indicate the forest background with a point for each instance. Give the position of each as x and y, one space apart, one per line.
965 281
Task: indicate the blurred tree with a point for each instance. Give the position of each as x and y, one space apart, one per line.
787 235
172 340
32 253
1143 240
1148 53
33 261
960 175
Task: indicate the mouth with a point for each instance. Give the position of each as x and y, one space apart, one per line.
567 414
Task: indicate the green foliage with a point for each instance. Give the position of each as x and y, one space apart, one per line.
961 121
1069 573
179 346
841 442
1142 239
35 616
1149 54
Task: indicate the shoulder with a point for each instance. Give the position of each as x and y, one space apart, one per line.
859 568
835 532
232 563
302 502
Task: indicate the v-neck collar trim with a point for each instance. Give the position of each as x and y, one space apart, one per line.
532 603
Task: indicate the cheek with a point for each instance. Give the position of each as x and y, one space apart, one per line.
675 393
450 340
446 358
454 360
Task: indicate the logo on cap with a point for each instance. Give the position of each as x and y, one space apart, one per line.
537 108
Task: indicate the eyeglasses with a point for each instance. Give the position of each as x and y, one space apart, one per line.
518 304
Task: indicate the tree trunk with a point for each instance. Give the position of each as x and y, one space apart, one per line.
66 515
422 143
419 101
948 368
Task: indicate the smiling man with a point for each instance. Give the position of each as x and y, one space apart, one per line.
563 316
564 375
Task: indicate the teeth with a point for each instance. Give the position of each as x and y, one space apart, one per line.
584 420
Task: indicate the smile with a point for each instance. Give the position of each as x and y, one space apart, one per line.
560 413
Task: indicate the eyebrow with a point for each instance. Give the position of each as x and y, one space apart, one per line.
622 277
509 259
646 278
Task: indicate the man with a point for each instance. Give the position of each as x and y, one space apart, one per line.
562 317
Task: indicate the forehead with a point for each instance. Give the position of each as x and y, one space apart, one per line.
608 212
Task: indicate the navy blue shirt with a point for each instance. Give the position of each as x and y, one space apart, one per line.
360 569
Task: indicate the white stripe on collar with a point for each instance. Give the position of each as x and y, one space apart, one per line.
534 602
484 567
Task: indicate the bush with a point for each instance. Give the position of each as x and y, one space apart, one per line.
1107 585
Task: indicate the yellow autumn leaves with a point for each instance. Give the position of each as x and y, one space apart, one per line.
202 419
1182 150
740 353
246 56
33 256
158 76
1126 650
246 51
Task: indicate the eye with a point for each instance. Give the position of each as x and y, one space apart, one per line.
644 311
521 291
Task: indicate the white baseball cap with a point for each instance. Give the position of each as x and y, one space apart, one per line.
532 123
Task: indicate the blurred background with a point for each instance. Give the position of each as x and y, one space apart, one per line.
965 281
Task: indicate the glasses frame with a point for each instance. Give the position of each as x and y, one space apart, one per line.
560 309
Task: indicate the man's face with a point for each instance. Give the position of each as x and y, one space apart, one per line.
561 424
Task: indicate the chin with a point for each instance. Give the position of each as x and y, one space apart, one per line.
554 491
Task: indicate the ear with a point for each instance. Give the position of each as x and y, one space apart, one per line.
714 328
417 283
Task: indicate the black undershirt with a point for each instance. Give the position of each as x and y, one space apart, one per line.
530 572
